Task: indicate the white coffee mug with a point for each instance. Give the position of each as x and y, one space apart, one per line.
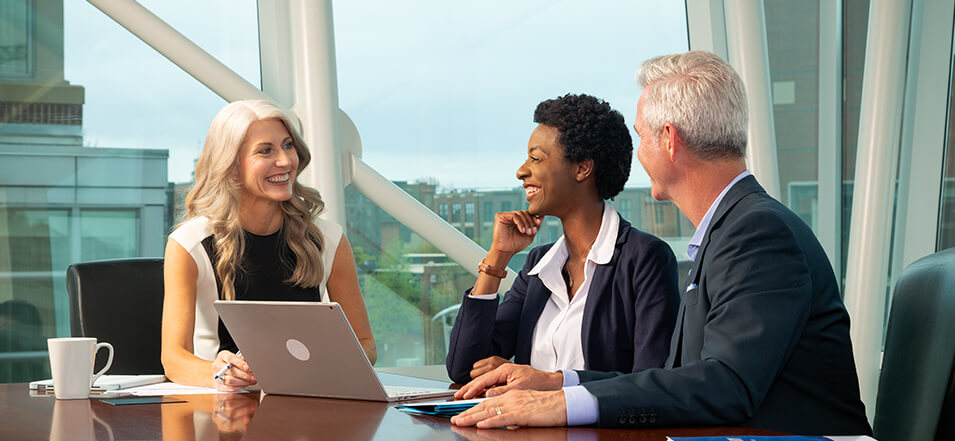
71 363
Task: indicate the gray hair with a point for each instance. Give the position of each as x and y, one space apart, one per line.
702 96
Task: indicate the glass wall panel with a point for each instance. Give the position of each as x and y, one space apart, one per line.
109 234
98 138
411 289
443 94
792 36
15 42
792 32
32 242
946 225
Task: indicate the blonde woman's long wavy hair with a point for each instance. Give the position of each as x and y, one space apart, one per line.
216 195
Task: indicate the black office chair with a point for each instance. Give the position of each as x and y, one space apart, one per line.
119 301
916 390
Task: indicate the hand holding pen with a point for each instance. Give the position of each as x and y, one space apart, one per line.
234 374
225 368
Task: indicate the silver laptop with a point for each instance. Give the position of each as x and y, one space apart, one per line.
308 348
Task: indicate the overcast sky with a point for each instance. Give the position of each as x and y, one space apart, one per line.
437 89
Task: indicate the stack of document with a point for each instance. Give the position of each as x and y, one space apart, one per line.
444 409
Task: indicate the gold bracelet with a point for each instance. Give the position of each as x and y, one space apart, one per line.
483 267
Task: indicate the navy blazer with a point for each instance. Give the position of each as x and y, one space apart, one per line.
628 316
762 336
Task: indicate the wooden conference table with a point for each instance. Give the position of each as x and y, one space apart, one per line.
25 415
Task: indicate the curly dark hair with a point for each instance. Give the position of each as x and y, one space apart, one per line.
589 129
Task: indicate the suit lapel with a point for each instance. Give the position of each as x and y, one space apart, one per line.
677 337
600 287
537 297
742 188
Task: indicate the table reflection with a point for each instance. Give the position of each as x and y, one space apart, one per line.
204 417
32 415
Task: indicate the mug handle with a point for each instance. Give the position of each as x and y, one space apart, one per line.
109 361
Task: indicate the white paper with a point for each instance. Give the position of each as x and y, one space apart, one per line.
168 388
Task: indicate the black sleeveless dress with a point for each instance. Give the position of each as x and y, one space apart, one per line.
266 265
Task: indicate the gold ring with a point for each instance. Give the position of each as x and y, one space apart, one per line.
498 410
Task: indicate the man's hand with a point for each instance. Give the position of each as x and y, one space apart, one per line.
508 377
517 408
486 365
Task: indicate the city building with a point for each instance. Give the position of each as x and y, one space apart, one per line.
60 201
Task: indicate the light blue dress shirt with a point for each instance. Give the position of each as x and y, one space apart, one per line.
582 406
697 238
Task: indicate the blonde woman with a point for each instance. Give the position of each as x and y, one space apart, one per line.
251 232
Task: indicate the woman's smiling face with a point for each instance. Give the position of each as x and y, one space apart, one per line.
547 174
268 162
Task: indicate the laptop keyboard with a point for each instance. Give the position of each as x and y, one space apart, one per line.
404 391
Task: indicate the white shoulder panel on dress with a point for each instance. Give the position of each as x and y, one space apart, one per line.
331 236
205 340
191 233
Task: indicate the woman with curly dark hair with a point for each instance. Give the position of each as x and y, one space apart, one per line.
604 295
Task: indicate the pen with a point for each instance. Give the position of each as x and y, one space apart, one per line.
225 368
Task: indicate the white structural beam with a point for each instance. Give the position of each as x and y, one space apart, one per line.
746 44
278 79
179 49
420 219
706 26
829 189
880 123
315 91
232 87
275 50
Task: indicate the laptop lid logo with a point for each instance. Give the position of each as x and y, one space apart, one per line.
297 349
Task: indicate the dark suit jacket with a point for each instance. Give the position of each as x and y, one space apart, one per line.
762 336
628 316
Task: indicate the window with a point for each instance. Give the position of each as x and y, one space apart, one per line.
794 75
96 151
109 234
443 211
624 208
456 213
457 105
658 213
946 224
469 213
16 46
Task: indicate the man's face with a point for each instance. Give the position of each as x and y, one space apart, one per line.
651 154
